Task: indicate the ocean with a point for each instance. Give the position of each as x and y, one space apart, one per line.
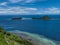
48 28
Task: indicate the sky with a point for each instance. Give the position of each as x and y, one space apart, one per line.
27 7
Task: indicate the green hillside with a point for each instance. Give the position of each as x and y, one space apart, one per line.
7 38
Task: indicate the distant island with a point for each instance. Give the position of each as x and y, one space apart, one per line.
7 38
18 18
43 18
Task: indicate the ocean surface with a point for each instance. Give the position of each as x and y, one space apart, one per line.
48 28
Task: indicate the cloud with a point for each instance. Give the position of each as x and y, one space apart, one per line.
29 1
15 1
52 10
3 4
27 11
25 1
17 10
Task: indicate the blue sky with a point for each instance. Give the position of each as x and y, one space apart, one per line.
29 7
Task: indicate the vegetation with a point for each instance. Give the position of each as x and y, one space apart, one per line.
43 18
7 38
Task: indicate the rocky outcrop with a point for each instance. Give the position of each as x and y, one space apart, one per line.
16 18
43 18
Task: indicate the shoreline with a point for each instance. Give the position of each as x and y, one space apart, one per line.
35 39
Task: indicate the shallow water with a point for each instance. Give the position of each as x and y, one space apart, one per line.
35 38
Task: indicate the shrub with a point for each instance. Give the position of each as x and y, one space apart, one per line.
8 34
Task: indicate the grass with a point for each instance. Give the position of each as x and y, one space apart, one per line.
7 38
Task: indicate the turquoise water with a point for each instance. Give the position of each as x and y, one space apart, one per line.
48 28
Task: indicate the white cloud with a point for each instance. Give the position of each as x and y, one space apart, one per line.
33 9
29 1
26 10
3 4
17 10
25 1
52 10
15 1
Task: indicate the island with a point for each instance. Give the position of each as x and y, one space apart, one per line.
43 18
18 18
7 38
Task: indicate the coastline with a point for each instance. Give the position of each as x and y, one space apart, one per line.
35 38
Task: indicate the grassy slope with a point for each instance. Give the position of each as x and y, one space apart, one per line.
10 39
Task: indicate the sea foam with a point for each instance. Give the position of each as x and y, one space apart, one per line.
41 39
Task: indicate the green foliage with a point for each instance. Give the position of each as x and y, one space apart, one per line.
7 38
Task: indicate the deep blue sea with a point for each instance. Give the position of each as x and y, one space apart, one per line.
48 28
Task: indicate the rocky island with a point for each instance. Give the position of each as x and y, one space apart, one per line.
7 38
19 18
43 18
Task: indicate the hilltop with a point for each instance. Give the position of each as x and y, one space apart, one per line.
7 38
